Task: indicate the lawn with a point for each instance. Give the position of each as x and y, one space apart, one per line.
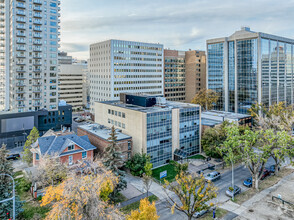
127 209
171 173
266 183
197 156
219 213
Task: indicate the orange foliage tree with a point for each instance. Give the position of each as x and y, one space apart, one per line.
147 211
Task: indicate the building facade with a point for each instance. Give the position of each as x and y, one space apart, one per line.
99 137
124 66
250 67
184 74
29 62
71 77
160 128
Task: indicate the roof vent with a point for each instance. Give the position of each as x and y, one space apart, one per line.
245 28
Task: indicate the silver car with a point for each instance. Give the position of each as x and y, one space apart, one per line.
199 214
213 176
236 190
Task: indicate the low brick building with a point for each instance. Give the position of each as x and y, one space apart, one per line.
99 134
69 147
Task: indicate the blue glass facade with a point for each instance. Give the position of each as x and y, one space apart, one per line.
231 76
189 130
159 137
215 72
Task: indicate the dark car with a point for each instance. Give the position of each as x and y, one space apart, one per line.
265 173
248 182
272 169
13 157
233 191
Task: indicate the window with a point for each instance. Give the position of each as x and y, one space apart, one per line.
84 155
129 145
70 147
37 157
123 115
70 160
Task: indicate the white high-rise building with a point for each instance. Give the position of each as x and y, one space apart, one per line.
29 44
124 66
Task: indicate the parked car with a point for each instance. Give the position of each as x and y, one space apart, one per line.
199 214
213 176
265 173
272 169
233 191
13 157
248 182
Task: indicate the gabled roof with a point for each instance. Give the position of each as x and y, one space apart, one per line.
57 144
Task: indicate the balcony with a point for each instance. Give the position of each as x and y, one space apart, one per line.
20 5
37 90
37 42
37 104
20 55
38 2
37 49
37 35
37 77
20 63
20 70
20 98
37 97
37 84
20 91
20 34
21 19
37 63
21 105
22 13
20 77
37 56
37 29
37 15
37 8
37 70
20 85
37 21
20 41
20 48
20 26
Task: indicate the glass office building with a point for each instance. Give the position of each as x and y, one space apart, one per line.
250 67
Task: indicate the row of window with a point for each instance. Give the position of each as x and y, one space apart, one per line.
116 113
117 123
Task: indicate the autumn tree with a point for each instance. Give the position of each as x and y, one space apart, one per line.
147 176
147 211
205 98
50 170
6 186
192 194
32 138
137 163
83 196
113 160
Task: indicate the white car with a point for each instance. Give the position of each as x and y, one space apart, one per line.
213 176
199 214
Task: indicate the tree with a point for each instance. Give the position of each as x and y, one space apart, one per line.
278 117
147 176
179 168
113 160
137 163
32 138
254 151
50 171
192 194
6 186
279 144
147 211
83 196
206 98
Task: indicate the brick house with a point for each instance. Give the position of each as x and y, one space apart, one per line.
69 147
98 136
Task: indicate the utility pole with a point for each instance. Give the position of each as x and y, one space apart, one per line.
13 194
233 178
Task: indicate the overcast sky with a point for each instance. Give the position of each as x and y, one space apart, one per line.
178 24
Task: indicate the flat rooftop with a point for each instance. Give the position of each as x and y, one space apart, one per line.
168 106
222 114
103 132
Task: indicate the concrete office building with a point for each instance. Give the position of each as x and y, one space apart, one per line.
28 62
184 74
163 129
250 67
71 81
124 66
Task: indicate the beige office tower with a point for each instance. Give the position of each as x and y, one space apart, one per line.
29 38
174 75
118 66
71 79
184 74
195 63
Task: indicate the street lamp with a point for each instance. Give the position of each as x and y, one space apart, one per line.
13 194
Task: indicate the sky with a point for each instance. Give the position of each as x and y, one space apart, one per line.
177 24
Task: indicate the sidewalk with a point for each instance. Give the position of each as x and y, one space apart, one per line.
135 199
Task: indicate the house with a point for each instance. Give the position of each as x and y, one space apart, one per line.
99 137
69 147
